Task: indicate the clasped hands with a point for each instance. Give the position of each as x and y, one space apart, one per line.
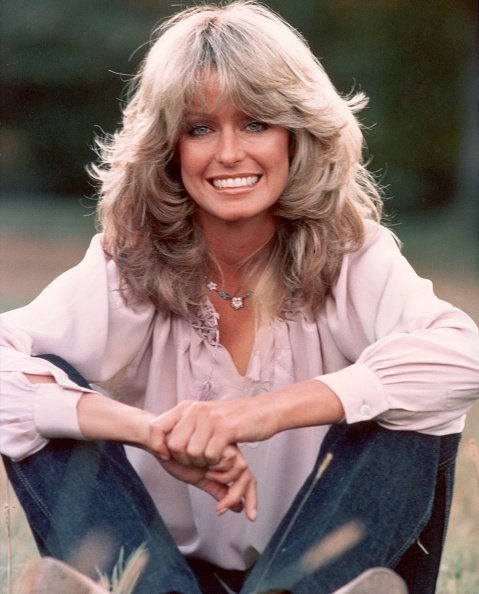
196 442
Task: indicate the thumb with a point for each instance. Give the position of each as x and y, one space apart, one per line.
159 428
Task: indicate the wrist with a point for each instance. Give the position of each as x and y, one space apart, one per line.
305 404
100 417
138 427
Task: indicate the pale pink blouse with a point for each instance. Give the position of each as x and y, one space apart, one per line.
383 342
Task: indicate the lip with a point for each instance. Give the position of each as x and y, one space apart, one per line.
237 181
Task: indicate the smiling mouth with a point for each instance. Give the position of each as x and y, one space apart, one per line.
235 182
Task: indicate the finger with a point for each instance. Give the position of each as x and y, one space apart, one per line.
226 460
225 478
163 453
229 475
213 488
238 492
189 438
158 430
167 420
157 444
178 439
217 445
204 445
198 443
251 500
221 508
229 458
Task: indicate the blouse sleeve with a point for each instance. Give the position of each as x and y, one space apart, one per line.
81 317
414 358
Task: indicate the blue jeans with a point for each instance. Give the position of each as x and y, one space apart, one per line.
396 484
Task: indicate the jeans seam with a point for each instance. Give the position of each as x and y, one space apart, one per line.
420 527
448 486
394 560
446 463
448 493
21 477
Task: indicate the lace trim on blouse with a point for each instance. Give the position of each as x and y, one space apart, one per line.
206 323
206 326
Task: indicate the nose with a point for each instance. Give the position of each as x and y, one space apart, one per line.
229 150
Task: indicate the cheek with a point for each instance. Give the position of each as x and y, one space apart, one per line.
188 158
189 172
283 158
282 147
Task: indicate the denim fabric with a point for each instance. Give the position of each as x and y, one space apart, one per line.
396 484
84 494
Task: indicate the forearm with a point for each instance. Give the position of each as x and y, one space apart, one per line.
100 417
301 405
304 404
198 432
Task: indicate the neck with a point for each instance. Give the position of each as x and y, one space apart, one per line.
232 244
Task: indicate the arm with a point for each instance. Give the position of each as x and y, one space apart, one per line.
81 317
196 432
414 364
229 480
415 358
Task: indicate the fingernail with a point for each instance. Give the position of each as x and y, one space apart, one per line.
253 515
221 511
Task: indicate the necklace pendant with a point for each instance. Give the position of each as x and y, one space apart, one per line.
237 302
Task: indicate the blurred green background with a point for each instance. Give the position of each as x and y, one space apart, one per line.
61 81
66 62
64 68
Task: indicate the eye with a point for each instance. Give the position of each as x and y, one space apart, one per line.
256 126
198 130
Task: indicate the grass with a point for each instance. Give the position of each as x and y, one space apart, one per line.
459 568
41 237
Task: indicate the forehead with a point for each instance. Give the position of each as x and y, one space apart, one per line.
206 94
215 107
209 90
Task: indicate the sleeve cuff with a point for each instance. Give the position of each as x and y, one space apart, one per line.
359 390
55 412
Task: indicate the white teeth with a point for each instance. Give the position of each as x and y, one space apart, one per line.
235 182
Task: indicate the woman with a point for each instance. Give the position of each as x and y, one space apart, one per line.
242 311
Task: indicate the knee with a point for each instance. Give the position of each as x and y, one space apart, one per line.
72 373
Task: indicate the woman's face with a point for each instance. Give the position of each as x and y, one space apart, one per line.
233 166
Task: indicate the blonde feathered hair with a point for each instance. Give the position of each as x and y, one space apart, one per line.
266 68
